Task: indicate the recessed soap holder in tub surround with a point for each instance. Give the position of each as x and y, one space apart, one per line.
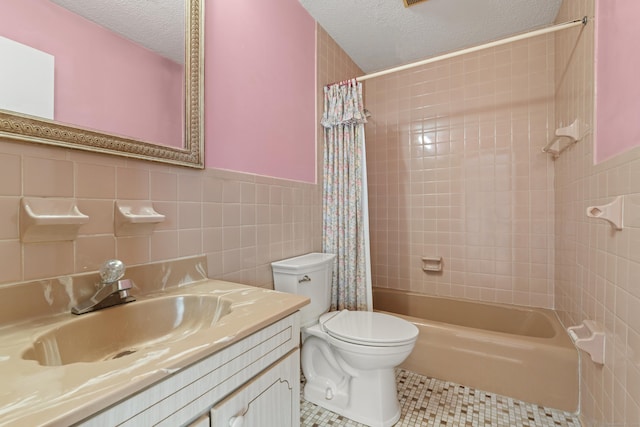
135 218
589 337
48 219
432 264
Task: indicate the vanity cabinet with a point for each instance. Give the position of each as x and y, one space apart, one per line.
253 382
271 399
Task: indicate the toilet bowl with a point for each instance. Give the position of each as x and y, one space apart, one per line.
348 358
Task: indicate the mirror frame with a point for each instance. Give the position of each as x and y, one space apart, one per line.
26 128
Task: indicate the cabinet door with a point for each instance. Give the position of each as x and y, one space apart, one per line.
272 399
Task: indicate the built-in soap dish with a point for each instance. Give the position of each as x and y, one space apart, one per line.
135 218
589 337
432 264
44 219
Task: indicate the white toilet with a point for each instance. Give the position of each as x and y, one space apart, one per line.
348 357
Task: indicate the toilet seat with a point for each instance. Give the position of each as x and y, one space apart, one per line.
368 328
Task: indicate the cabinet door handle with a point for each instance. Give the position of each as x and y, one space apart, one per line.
236 421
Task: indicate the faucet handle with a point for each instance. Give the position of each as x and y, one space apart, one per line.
111 271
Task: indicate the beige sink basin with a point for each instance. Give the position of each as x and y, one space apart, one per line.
123 330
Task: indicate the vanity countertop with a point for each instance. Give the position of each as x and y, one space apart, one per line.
33 394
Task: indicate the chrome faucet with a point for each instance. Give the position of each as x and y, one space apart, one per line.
113 289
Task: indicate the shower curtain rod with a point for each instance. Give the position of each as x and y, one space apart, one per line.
500 42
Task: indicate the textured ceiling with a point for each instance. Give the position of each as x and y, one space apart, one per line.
158 25
379 34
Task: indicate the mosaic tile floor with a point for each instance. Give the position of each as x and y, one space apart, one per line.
430 402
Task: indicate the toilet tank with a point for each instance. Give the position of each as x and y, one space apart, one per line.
309 275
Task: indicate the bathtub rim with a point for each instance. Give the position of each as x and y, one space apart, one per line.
561 336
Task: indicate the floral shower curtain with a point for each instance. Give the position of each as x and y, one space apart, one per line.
345 206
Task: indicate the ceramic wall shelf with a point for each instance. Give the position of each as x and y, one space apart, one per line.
135 218
44 219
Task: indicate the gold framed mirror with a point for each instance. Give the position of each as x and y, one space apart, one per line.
32 129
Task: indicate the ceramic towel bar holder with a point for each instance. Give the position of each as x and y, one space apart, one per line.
611 212
590 337
564 138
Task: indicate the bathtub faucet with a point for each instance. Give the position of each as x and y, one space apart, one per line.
112 290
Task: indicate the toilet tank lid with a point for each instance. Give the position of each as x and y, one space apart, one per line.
303 262
368 328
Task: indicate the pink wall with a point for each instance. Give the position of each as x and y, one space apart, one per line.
260 88
240 221
86 56
617 87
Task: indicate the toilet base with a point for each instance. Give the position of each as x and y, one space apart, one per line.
370 399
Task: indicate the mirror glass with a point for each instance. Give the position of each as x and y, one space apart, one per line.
112 76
